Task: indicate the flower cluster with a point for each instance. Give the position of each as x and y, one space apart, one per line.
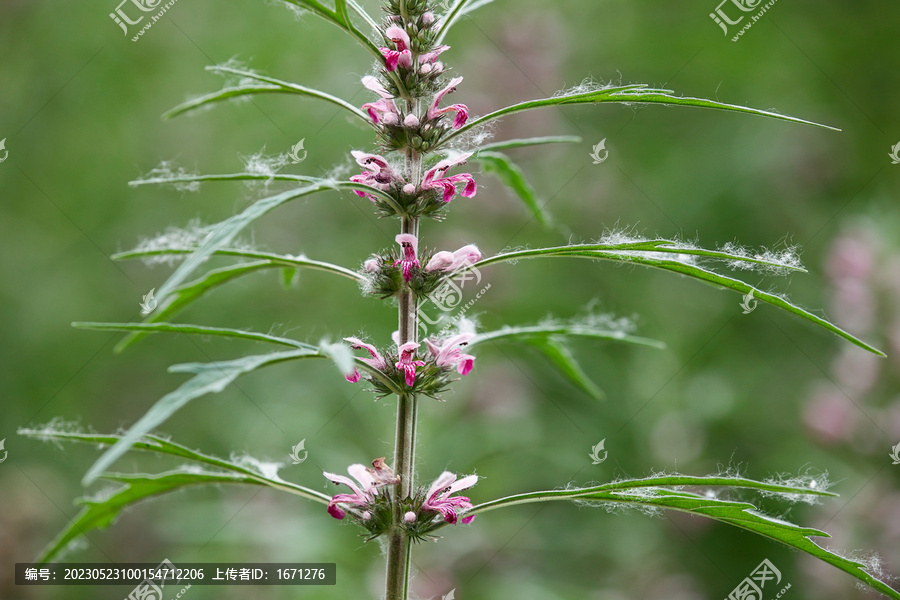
369 500
410 115
389 274
406 370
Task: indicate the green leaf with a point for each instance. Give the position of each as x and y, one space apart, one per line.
456 11
194 329
548 339
525 142
651 253
289 278
159 445
208 378
341 355
285 260
562 359
512 177
625 94
657 492
224 232
573 328
173 179
101 511
188 293
266 85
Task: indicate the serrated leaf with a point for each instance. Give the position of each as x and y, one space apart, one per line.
623 94
513 178
652 253
656 492
208 378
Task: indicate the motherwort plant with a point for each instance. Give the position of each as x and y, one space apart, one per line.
419 166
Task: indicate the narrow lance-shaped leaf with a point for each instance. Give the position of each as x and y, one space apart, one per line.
208 378
456 11
549 340
655 492
563 359
504 145
652 253
193 329
512 177
265 85
188 293
100 512
624 94
158 445
224 232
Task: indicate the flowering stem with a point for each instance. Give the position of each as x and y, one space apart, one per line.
398 556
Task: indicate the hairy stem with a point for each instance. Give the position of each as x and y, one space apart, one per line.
398 556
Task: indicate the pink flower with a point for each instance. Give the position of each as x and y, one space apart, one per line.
447 261
461 110
406 362
402 55
410 245
430 57
370 479
436 177
384 110
362 496
379 173
371 265
377 361
439 500
449 353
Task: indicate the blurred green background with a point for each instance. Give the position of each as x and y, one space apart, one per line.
763 393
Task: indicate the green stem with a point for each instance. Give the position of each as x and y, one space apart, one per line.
398 555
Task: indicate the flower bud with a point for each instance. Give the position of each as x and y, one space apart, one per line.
411 120
409 517
428 18
371 265
409 189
